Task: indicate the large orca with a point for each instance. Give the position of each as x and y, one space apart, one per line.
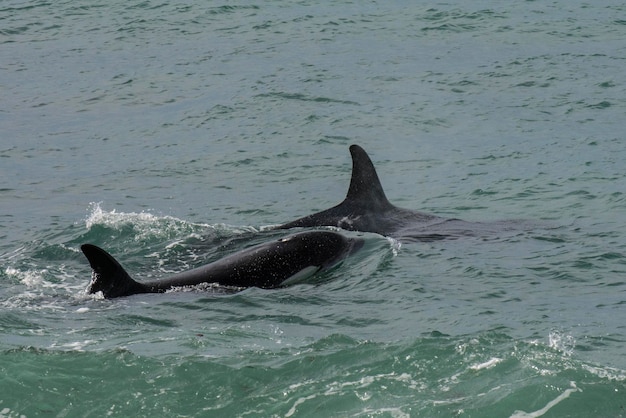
367 209
268 265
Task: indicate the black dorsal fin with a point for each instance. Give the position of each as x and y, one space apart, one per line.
365 187
108 277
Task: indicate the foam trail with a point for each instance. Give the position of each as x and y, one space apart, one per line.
554 402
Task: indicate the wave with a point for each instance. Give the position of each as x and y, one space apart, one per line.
311 349
335 375
150 245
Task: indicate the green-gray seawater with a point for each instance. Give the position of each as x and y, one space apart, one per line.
172 134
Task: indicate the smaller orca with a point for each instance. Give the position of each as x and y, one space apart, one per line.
269 265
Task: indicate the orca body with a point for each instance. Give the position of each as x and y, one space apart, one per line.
268 265
367 209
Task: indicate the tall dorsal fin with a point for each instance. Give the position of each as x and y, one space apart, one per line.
365 186
108 275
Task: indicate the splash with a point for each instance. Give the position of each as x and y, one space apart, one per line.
144 225
30 278
114 219
141 225
561 342
395 246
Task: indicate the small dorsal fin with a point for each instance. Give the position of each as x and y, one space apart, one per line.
365 186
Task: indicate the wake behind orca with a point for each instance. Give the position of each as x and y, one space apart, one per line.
367 209
269 265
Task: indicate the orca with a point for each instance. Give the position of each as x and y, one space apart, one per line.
367 209
269 265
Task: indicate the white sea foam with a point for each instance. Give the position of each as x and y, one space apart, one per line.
550 405
299 401
608 373
487 364
8 413
75 345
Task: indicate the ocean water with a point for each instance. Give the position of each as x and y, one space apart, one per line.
174 133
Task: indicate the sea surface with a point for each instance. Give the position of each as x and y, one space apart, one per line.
175 133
